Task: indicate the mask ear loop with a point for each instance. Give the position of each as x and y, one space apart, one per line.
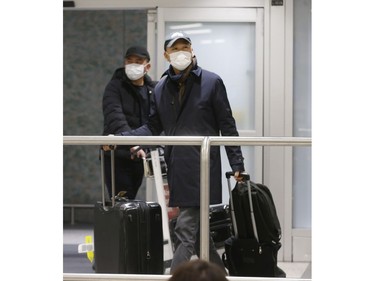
144 67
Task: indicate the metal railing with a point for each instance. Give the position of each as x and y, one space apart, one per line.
205 143
139 277
73 207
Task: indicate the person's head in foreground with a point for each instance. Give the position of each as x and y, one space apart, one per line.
198 270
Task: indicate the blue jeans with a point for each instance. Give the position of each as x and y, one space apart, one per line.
188 239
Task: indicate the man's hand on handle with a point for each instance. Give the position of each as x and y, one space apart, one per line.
137 152
237 176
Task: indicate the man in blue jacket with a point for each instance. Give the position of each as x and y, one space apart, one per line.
191 101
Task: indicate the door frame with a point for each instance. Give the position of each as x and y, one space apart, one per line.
255 15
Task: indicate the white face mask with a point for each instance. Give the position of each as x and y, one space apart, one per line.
180 60
134 71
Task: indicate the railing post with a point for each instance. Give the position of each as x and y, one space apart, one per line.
205 199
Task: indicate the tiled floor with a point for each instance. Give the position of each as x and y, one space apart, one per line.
75 262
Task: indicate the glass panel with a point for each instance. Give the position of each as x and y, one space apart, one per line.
220 49
302 114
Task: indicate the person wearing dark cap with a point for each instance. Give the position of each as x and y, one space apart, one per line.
191 101
126 106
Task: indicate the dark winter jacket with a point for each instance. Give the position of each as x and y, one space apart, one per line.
124 108
205 111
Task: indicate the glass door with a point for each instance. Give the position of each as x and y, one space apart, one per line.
229 42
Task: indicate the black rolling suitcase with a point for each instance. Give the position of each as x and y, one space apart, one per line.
252 251
220 224
128 236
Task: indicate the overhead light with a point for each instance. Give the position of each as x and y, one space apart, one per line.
198 31
186 26
209 41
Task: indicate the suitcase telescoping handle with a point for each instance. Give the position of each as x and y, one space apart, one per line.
246 177
112 176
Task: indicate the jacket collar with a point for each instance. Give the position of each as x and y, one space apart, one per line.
197 71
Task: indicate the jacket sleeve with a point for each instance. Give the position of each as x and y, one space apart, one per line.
114 118
227 125
153 126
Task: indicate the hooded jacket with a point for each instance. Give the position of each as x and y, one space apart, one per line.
204 111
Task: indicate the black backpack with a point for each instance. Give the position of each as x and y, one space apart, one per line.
252 250
267 222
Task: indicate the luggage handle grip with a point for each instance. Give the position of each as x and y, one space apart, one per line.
246 176
112 177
